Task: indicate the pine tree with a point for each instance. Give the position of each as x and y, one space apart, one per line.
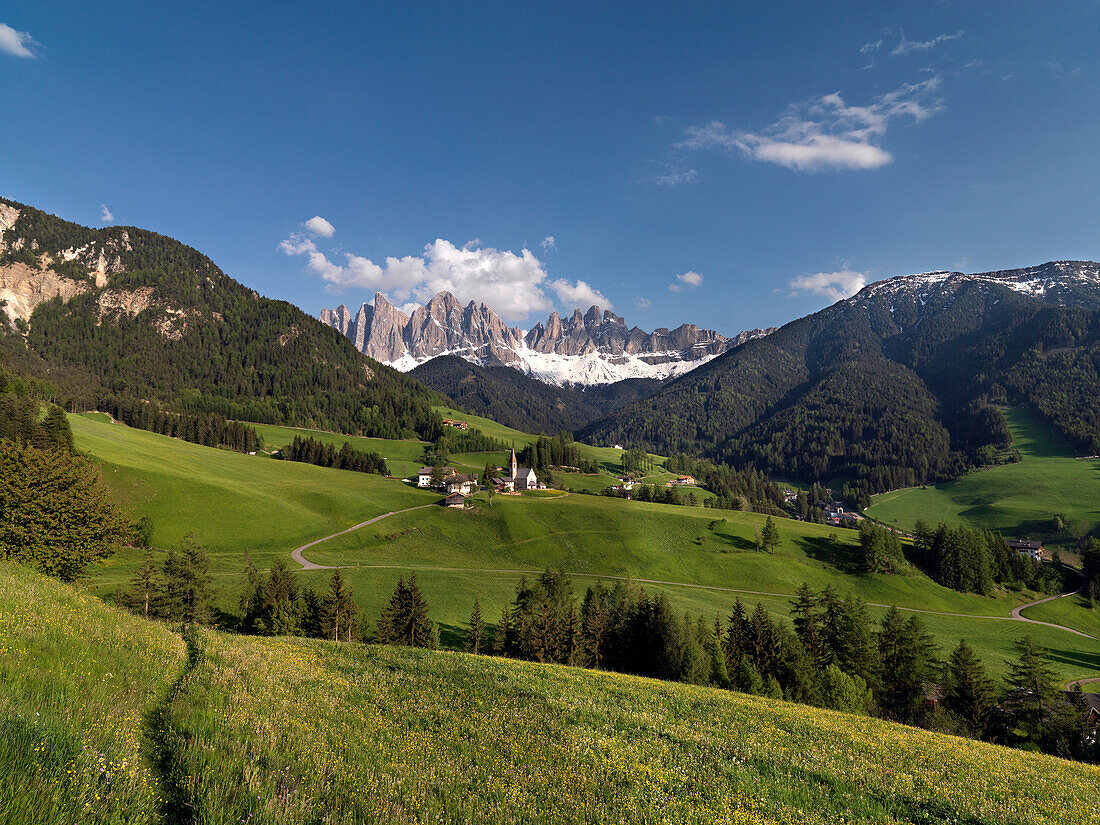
476 631
55 514
769 537
905 654
719 672
967 691
404 621
1031 692
807 623
189 596
338 610
144 582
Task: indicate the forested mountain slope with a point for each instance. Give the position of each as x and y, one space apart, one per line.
517 400
895 385
122 312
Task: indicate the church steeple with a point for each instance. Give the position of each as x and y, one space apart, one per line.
515 465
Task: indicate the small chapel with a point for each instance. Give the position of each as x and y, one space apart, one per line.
521 478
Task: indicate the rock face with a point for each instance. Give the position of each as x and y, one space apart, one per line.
595 347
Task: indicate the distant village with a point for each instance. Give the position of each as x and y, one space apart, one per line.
458 487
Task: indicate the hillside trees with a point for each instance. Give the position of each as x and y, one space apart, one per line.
404 621
311 451
54 512
204 344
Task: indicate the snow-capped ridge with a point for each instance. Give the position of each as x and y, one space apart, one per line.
594 347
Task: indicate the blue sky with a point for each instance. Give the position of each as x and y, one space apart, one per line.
728 166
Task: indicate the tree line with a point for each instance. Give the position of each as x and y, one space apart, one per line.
207 429
558 451
312 451
831 655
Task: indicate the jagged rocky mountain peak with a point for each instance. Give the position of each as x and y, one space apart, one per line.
592 347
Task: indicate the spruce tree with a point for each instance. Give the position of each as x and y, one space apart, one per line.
476 632
967 691
404 621
769 537
144 582
1031 692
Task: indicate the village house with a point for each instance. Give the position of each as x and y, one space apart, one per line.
424 475
458 425
520 478
1033 549
462 483
682 481
455 500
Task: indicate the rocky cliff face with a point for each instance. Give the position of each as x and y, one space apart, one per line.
590 348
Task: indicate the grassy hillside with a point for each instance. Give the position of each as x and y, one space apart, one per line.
1016 499
234 503
403 457
297 731
76 681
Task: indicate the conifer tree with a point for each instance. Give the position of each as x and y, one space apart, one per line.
967 691
1031 691
338 612
476 632
719 672
404 621
144 582
769 537
189 596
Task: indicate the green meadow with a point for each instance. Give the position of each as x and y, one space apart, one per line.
105 720
701 558
1019 500
403 457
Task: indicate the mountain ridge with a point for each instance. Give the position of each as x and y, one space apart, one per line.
895 386
121 312
588 348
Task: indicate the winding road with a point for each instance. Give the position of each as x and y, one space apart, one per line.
306 564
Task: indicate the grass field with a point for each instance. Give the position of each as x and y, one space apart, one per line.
300 731
1018 500
403 457
76 682
235 503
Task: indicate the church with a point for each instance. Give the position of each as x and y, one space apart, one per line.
522 478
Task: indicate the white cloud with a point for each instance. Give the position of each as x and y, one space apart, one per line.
642 302
831 285
513 285
675 176
579 295
319 226
868 48
105 214
549 242
906 46
16 43
824 132
690 279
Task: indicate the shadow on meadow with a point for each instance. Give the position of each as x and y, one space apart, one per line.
835 554
1076 658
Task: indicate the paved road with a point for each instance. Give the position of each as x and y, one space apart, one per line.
296 554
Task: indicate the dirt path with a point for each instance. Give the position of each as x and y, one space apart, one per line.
1089 681
306 564
296 554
